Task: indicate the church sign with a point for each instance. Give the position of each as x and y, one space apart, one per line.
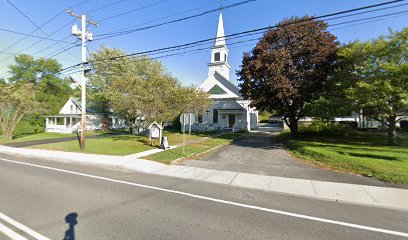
155 131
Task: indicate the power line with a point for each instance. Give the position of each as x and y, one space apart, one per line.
39 28
117 2
132 11
114 34
168 16
33 36
106 6
240 34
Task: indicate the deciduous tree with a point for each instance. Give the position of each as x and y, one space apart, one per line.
377 74
16 101
289 67
140 87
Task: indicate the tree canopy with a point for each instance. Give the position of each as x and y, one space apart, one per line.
375 75
53 91
16 101
289 67
140 87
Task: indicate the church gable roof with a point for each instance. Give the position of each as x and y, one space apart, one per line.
228 105
225 82
216 90
219 87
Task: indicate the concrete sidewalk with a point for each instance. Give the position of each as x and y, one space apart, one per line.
341 192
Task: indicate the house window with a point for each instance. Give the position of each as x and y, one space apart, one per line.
72 108
215 116
217 57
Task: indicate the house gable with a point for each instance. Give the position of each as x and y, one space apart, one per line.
70 107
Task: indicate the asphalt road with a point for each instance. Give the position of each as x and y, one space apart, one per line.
57 200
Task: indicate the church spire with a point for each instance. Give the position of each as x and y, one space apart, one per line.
219 53
220 41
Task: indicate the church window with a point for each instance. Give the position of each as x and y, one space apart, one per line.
225 57
215 115
217 57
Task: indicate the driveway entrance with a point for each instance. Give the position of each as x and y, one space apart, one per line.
259 153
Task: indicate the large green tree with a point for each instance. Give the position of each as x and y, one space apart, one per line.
17 100
289 67
53 91
140 87
376 73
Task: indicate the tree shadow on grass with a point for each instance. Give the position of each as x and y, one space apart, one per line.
368 155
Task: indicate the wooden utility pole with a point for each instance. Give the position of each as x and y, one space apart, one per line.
84 36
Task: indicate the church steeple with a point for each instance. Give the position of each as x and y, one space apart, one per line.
220 41
219 53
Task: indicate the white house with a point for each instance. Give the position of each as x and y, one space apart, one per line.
229 109
68 119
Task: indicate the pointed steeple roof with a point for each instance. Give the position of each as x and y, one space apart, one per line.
220 41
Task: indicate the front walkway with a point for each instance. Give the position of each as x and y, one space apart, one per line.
260 153
341 192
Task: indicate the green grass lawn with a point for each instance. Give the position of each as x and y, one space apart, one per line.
364 153
193 149
175 137
119 144
36 136
109 145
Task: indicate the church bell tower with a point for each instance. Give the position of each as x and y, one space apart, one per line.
219 53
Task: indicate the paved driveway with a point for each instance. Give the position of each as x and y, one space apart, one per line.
259 153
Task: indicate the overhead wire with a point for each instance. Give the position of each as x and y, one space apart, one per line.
39 28
115 34
240 34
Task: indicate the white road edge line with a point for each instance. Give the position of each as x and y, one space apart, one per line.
23 228
10 233
290 214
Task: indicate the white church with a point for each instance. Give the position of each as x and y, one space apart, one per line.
229 109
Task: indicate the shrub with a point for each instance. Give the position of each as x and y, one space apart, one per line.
30 126
404 125
325 128
176 123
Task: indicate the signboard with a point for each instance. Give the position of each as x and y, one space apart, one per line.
187 119
155 131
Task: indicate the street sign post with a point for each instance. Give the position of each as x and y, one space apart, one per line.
186 119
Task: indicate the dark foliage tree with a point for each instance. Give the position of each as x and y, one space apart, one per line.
289 67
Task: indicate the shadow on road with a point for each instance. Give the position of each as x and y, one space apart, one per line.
71 219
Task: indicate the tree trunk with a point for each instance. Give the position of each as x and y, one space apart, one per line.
293 125
392 133
8 135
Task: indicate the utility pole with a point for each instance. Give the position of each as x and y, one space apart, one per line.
84 36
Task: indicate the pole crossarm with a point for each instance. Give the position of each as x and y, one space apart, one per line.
79 17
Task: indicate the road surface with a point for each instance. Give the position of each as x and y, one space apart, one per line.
58 201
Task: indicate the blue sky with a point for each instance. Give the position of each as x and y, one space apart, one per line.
190 68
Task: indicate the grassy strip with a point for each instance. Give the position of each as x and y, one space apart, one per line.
119 144
364 153
192 150
112 145
36 136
